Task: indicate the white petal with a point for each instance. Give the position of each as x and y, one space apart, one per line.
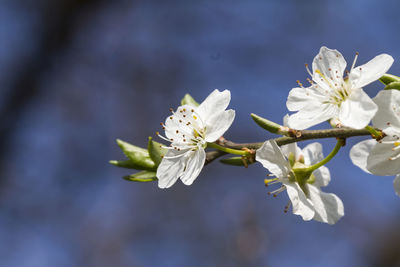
331 64
328 207
181 123
217 125
313 153
170 169
300 98
301 205
371 71
312 115
291 148
357 110
322 177
388 102
216 102
359 153
396 184
378 161
271 157
194 165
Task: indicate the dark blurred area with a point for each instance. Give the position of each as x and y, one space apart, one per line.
77 74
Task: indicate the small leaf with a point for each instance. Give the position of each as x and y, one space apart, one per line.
393 85
139 156
124 164
235 161
156 151
189 100
143 176
389 78
270 126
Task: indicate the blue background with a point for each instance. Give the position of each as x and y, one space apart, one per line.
112 70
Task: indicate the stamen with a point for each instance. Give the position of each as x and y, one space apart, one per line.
270 181
354 62
287 206
308 70
300 84
395 157
277 191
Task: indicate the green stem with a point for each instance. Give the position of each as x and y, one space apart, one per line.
335 150
228 150
375 134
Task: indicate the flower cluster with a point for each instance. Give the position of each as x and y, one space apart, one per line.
334 95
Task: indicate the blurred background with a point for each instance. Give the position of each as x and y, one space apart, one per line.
77 74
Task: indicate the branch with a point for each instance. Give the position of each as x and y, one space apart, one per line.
298 136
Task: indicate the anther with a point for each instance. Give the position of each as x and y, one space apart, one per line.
287 206
184 116
299 83
171 117
171 109
192 110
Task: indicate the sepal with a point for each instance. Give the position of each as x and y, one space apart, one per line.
386 79
124 164
139 156
189 100
143 176
393 85
156 151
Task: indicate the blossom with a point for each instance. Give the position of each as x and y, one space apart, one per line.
189 129
304 193
332 96
382 157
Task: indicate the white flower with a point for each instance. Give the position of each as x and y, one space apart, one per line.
331 96
306 197
189 129
382 157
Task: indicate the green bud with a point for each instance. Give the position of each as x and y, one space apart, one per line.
389 78
143 176
156 151
189 100
235 161
139 156
270 126
393 85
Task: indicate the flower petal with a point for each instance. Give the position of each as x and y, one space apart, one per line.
194 165
357 110
291 148
371 71
328 207
359 153
331 64
300 98
388 102
170 169
396 184
217 125
216 102
312 115
378 161
313 153
322 177
301 205
271 157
